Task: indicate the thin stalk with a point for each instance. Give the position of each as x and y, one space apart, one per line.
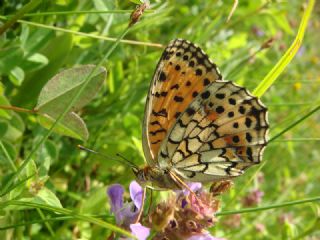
18 109
263 208
35 221
79 12
157 45
233 9
53 219
296 140
45 223
294 123
6 154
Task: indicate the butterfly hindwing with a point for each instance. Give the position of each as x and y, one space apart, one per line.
182 73
220 134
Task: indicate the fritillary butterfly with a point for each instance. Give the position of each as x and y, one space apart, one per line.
198 127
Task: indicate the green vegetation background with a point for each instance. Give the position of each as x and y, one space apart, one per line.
61 175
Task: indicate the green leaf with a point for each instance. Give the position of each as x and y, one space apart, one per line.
47 196
71 125
56 94
35 62
16 75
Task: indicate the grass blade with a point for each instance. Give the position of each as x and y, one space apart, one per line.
288 56
67 212
263 208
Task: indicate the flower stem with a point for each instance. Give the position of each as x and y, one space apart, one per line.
263 208
295 123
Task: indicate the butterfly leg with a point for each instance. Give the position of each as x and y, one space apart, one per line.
180 182
142 205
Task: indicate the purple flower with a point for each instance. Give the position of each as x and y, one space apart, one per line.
194 187
185 215
139 231
115 193
253 198
136 193
204 236
126 213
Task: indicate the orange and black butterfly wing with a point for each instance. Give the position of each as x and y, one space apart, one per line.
220 134
182 73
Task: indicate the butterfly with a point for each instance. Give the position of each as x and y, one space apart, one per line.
197 126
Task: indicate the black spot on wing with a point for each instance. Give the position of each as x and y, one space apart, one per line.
162 113
205 94
178 99
176 86
153 133
162 76
190 111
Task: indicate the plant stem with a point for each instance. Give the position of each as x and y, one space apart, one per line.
79 12
295 123
157 45
10 160
18 109
279 205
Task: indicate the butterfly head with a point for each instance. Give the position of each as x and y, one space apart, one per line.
140 175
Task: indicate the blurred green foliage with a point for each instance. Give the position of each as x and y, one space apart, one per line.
60 175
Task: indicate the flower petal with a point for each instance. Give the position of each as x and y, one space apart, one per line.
204 236
194 186
141 232
136 193
115 193
129 213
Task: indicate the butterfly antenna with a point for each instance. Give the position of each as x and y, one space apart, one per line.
123 160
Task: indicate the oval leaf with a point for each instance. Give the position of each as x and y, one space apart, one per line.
59 90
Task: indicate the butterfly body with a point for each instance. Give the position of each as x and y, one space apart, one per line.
156 178
198 127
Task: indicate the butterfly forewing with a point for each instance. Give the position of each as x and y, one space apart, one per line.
220 134
183 72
